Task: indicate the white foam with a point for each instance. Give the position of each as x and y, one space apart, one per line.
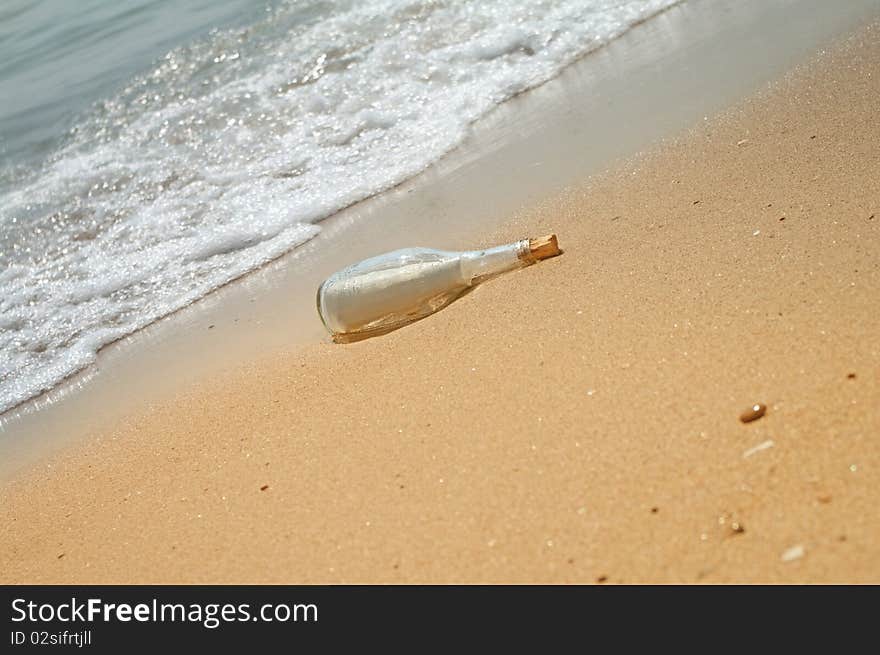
230 151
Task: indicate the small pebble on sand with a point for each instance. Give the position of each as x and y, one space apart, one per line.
753 413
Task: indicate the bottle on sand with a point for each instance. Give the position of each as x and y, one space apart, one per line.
386 292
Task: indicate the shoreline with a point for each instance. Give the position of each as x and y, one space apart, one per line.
590 433
560 133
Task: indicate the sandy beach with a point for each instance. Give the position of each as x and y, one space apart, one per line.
575 421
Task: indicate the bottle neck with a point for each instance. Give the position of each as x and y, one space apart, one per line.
479 265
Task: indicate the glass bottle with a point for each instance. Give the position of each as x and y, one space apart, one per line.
388 291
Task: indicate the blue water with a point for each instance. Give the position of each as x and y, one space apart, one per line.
58 57
153 151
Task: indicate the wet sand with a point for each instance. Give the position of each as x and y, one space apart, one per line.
576 421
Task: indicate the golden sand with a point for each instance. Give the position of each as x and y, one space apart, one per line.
575 421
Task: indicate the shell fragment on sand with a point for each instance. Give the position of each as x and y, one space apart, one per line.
793 553
764 445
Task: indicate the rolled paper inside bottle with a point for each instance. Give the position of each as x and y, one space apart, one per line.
361 301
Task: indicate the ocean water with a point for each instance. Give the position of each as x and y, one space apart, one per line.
152 151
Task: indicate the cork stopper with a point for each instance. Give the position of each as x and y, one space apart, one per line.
543 247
